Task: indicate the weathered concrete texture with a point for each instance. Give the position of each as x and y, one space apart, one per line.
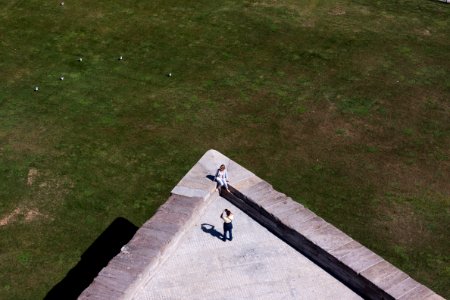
255 265
351 262
150 246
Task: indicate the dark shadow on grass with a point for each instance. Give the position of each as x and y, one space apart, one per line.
208 228
97 256
439 1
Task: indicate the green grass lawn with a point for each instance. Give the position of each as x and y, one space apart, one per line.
343 105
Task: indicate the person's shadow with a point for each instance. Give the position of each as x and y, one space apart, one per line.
208 228
212 178
221 191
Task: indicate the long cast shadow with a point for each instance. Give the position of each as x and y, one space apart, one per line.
97 256
208 228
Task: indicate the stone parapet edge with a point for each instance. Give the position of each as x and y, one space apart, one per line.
152 244
359 268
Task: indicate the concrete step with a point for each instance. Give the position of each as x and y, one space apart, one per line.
379 272
328 237
361 259
271 198
297 218
256 188
286 206
310 225
403 288
345 249
391 280
264 195
419 293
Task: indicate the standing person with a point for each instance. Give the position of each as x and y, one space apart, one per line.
227 218
222 177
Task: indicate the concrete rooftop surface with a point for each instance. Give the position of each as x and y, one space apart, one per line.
280 249
255 265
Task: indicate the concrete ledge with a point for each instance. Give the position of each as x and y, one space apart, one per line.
353 264
359 268
155 240
150 246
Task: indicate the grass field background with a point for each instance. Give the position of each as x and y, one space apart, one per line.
342 105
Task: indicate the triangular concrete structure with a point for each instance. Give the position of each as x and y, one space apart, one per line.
145 262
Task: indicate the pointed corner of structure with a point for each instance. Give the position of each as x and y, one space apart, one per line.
212 159
240 177
212 152
199 180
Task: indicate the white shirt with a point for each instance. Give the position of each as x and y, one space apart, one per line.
222 174
227 219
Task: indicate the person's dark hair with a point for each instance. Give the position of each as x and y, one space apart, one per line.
228 212
222 167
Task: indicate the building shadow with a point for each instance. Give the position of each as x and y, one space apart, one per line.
208 228
95 258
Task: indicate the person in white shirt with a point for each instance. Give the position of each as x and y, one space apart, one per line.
222 178
227 218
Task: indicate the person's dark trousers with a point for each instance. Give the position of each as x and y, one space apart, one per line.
227 227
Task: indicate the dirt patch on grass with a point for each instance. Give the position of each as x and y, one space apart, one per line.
32 174
27 214
46 193
337 11
6 219
32 214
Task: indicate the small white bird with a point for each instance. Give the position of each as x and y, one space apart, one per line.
62 3
80 59
169 75
36 88
61 78
120 57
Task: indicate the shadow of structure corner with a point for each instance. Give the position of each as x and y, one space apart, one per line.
93 260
